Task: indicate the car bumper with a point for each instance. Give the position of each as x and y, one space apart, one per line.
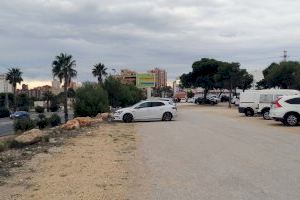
117 117
276 115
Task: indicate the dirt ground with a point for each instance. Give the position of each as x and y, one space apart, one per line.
93 165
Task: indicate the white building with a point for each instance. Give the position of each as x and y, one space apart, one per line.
56 89
4 84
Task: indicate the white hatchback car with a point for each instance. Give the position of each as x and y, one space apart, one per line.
147 111
287 110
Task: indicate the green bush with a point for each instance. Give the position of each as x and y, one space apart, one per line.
39 109
24 124
90 100
121 95
54 120
42 121
4 112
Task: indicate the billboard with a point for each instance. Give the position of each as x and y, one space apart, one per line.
145 80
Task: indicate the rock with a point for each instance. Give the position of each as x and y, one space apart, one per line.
105 116
98 116
52 141
71 125
30 137
85 121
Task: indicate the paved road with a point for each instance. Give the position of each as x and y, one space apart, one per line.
6 124
210 153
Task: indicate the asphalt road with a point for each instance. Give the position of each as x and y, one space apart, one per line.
6 124
212 153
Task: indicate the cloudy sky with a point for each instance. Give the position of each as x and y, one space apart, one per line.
142 34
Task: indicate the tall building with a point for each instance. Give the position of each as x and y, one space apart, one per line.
127 77
160 77
39 92
4 84
56 89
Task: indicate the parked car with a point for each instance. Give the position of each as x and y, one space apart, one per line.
287 110
214 98
147 111
224 98
211 101
259 101
19 115
235 100
191 100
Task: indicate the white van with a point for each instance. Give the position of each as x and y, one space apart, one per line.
259 101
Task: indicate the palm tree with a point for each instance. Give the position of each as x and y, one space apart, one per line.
14 76
48 96
99 71
63 68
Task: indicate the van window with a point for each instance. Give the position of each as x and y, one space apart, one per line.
266 98
294 101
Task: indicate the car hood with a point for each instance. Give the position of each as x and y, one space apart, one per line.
124 109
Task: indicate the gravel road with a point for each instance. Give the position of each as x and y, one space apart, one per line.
215 153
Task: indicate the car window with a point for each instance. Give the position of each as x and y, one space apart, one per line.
145 105
157 104
293 101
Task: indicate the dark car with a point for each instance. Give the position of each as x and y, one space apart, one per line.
19 115
200 100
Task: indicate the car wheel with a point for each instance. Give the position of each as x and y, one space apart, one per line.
249 112
127 118
266 114
291 120
167 116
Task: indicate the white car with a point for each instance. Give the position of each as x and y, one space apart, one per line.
191 100
146 111
287 110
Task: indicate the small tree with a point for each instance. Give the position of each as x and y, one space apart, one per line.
48 96
99 71
90 100
14 76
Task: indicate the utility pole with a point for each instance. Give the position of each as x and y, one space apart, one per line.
285 55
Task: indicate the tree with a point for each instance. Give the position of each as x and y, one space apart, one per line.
48 96
99 71
202 75
90 100
63 68
245 80
190 94
14 77
23 102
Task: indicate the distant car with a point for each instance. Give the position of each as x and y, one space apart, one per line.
19 115
224 98
191 100
214 98
147 111
211 101
286 109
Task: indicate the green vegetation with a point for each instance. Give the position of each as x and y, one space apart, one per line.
48 96
54 120
39 109
24 124
63 68
120 95
285 75
90 100
42 121
99 71
4 112
14 76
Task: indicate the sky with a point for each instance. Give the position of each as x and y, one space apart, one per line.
143 34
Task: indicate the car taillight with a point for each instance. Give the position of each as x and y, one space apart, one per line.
277 104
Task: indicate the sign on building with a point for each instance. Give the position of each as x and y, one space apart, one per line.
145 80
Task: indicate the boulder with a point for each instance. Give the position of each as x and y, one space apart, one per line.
30 137
98 116
105 116
71 125
85 121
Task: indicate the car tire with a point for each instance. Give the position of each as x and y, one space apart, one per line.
291 119
128 118
167 116
266 114
249 112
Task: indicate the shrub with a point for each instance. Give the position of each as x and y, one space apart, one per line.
23 124
42 121
90 100
39 109
2 146
4 112
54 107
54 120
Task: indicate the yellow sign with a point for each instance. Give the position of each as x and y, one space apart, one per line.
145 80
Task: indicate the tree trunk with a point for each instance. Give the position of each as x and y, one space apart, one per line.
47 105
6 100
205 95
66 100
100 80
15 99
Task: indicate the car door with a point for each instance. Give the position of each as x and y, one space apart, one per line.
157 110
142 111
